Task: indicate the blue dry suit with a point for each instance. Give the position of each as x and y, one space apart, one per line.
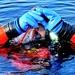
47 17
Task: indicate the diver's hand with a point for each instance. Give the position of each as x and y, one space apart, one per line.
25 21
47 17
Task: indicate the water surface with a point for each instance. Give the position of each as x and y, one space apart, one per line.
12 9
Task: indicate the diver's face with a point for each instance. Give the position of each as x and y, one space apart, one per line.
41 31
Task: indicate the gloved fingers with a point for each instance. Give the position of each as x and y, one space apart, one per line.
50 14
30 20
36 15
44 23
50 25
24 26
46 11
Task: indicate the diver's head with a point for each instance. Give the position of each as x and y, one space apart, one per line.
41 30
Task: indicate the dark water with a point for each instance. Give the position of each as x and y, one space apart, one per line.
12 9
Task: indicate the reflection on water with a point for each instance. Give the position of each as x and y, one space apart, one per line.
12 9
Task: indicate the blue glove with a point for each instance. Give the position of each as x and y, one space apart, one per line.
49 20
24 22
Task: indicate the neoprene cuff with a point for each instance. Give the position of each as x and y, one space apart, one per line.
10 30
66 31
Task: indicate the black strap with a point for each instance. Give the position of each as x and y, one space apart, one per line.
45 18
10 30
20 26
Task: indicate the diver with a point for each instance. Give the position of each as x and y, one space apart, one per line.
47 17
50 20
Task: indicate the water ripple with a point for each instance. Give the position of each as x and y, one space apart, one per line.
11 9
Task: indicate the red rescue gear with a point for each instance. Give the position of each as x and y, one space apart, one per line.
73 42
3 36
